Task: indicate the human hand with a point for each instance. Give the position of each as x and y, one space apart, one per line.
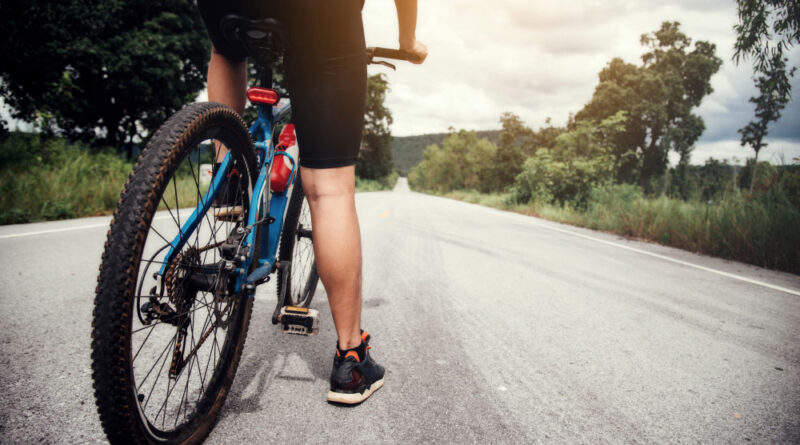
418 51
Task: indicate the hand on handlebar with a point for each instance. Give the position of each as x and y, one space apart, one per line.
418 52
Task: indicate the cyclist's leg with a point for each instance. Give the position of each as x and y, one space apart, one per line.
227 69
227 84
327 77
227 81
337 245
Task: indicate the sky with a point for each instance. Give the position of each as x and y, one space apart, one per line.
540 59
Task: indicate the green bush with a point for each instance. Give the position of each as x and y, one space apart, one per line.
581 160
760 229
57 180
375 185
462 162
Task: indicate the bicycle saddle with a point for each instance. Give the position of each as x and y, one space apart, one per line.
262 38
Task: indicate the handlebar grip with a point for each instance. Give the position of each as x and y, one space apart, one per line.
387 53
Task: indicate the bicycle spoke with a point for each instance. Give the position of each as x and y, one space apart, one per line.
177 204
183 334
160 235
180 229
157 374
167 347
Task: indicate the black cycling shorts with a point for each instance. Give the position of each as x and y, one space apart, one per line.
325 63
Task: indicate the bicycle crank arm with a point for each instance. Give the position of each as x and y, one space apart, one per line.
285 268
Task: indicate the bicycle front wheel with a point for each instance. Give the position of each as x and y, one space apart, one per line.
296 245
169 328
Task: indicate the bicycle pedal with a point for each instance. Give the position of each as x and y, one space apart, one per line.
229 213
299 320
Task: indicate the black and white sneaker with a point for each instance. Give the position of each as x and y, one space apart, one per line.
355 375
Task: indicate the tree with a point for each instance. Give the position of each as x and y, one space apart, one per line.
508 161
715 178
545 137
766 29
582 159
112 70
658 98
375 157
463 161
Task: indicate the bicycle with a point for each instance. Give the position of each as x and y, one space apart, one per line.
175 294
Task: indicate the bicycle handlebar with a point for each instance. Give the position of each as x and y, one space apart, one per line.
388 53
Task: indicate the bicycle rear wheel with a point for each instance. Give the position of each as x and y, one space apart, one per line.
165 347
296 245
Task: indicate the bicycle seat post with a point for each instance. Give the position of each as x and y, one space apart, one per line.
262 38
265 79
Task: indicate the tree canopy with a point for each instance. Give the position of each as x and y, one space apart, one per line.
658 98
766 30
375 157
111 70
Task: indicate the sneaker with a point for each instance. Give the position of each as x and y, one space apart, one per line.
228 202
355 375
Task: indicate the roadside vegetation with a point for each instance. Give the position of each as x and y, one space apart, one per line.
759 229
608 168
48 178
51 179
375 185
103 96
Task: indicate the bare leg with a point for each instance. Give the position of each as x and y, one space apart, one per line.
227 84
337 245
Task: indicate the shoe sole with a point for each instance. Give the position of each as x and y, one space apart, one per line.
354 398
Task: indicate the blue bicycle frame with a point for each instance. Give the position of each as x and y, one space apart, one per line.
271 214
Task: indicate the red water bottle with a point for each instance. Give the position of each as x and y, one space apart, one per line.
287 142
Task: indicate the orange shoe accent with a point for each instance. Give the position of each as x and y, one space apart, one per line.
353 354
364 336
337 353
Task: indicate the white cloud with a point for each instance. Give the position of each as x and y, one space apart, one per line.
541 59
778 151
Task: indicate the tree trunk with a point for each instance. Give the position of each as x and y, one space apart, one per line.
753 173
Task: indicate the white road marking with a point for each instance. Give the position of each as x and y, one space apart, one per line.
63 229
673 260
533 220
67 229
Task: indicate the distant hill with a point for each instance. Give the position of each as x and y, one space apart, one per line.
407 150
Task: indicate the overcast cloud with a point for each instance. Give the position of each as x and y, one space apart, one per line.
540 59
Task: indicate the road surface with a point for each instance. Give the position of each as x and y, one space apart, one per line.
494 328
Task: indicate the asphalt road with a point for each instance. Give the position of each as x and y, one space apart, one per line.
494 328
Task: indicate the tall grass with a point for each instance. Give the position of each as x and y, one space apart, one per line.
762 229
73 184
51 179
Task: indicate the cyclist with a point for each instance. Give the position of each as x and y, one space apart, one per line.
326 77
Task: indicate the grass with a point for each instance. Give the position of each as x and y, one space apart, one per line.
763 229
185 189
376 185
43 180
78 184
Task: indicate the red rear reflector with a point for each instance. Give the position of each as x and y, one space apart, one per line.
266 96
